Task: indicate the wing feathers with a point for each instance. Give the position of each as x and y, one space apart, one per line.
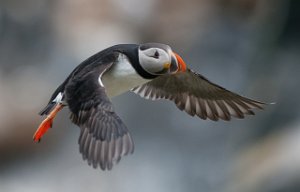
195 95
104 138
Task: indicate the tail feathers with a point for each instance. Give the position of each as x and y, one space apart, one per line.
48 108
55 99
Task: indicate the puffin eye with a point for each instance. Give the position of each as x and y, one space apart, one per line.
156 55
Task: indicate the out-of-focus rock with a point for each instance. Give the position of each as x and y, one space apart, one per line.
270 165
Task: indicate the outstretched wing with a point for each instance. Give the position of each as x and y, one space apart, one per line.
196 95
104 138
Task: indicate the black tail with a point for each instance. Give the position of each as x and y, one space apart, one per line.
47 109
51 104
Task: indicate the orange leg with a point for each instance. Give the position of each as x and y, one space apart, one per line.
46 124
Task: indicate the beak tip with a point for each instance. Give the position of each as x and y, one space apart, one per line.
181 64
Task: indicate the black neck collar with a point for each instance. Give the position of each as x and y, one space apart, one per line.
131 51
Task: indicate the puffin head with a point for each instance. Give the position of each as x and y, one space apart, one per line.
159 59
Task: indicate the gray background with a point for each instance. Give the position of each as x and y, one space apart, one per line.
248 46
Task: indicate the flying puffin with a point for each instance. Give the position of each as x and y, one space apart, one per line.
151 70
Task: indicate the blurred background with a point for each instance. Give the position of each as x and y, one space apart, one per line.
251 47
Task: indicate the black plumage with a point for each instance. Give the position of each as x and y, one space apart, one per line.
102 130
104 138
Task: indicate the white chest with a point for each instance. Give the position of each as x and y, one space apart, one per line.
121 77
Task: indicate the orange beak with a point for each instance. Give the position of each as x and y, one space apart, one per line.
181 63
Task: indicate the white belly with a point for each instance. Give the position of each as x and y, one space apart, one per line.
121 77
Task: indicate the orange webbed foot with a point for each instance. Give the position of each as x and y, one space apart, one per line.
46 124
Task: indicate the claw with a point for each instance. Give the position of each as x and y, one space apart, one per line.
46 124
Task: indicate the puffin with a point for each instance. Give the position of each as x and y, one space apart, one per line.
151 70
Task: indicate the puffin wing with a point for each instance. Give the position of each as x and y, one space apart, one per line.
104 138
196 95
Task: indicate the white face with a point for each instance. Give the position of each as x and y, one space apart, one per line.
156 60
